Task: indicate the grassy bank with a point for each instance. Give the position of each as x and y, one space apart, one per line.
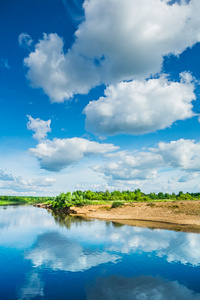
3 203
14 200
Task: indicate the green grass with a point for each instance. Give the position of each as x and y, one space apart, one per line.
20 200
101 202
3 203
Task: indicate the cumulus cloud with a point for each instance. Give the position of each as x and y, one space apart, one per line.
188 177
25 40
5 177
139 107
40 127
40 182
144 287
57 154
117 41
20 184
127 166
182 154
58 74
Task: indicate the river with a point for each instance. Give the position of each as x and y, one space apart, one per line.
49 256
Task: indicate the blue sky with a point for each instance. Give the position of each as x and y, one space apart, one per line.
99 95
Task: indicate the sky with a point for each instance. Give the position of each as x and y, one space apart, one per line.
99 95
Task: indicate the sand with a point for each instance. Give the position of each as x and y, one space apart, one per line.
179 215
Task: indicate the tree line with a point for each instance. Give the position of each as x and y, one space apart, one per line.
79 198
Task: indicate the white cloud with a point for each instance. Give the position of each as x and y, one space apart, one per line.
74 9
117 41
60 76
188 177
57 154
39 182
25 40
141 166
20 184
182 155
139 288
18 163
5 177
139 107
40 127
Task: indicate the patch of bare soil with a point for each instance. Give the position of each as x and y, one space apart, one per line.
178 215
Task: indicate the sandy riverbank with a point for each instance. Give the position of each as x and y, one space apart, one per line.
180 215
175 215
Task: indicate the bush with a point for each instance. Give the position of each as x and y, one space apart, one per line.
81 202
117 204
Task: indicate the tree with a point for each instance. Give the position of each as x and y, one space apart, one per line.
161 195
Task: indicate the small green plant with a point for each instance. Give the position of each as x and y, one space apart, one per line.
117 204
175 206
151 204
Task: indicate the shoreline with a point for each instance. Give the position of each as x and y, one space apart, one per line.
152 224
177 216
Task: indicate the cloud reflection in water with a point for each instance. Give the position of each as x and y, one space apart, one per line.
57 252
139 288
34 287
175 246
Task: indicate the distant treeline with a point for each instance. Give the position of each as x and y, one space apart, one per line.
22 199
79 198
125 195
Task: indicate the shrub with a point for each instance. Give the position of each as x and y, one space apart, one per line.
151 204
117 204
81 202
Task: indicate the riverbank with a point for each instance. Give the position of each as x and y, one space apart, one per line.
7 203
179 215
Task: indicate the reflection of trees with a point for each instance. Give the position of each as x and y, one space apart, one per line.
66 220
116 224
108 223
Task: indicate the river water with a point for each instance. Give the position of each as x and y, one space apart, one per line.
45 256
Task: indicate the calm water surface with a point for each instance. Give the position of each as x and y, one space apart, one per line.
44 256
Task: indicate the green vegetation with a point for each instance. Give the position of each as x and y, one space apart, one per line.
68 200
9 200
117 204
115 198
